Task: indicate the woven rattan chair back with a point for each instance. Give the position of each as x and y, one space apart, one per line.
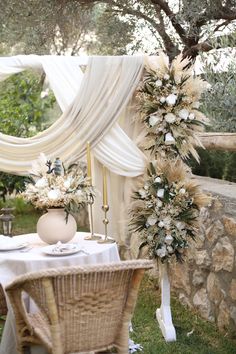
80 308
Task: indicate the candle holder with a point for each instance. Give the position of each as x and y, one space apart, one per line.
105 208
91 237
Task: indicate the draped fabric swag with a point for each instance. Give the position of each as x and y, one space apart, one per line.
92 104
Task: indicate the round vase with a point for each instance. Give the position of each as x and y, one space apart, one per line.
53 226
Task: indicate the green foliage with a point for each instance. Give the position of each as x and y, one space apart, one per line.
22 110
215 164
21 206
23 113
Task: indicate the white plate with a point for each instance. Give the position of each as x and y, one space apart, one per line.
17 246
62 250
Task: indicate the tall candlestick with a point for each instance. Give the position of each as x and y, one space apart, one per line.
89 169
104 172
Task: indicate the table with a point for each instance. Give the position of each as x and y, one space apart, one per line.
14 263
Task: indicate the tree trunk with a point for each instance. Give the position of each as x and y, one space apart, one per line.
219 141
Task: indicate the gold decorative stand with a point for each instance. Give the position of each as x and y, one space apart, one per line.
105 208
91 237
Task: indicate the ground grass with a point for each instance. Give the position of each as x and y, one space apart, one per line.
204 337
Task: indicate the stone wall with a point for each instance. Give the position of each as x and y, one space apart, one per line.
207 280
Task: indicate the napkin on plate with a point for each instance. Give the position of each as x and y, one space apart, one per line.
8 242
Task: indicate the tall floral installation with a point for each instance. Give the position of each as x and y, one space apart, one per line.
169 102
166 208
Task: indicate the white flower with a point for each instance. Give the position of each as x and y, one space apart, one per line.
41 183
196 104
170 118
182 191
170 249
157 180
153 120
67 183
162 99
166 77
168 239
160 193
142 193
152 219
169 139
161 252
161 224
180 226
183 114
54 194
159 203
158 83
79 193
171 99
191 116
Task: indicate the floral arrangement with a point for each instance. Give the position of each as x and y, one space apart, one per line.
169 102
166 210
53 186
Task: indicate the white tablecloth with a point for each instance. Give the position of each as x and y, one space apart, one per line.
13 263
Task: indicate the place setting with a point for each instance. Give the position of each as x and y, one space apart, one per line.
11 244
64 249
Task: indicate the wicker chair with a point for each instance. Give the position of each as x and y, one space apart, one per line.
3 303
80 309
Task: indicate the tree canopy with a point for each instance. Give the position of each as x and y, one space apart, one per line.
68 25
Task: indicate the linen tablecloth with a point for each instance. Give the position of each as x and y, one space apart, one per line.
14 263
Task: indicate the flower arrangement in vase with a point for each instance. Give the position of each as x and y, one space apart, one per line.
58 190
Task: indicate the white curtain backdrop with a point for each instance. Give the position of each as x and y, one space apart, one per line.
92 104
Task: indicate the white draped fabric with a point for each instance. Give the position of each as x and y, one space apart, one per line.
92 104
105 89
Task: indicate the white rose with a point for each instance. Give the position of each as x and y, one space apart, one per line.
170 118
183 114
191 116
157 180
142 193
160 193
161 252
182 191
151 220
168 239
171 99
162 99
41 183
158 83
166 77
169 139
53 194
161 224
153 120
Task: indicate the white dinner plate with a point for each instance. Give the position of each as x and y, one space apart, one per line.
13 247
62 250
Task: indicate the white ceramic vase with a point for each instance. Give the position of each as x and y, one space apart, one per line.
53 227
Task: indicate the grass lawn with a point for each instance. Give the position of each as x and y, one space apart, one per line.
204 337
